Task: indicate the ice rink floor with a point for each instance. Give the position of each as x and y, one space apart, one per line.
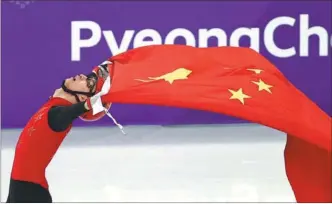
217 163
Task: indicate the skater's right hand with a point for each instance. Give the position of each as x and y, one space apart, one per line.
102 70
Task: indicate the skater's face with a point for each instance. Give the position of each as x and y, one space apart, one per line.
80 83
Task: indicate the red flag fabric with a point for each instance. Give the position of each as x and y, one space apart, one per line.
238 82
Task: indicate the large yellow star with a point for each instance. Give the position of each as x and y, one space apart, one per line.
178 74
239 95
262 86
257 71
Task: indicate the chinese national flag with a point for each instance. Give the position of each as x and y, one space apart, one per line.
238 82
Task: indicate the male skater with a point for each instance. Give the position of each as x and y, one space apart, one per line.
79 96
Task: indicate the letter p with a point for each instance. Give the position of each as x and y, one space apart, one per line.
77 43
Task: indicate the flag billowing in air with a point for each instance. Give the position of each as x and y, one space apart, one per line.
238 82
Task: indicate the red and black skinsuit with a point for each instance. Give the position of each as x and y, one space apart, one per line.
37 145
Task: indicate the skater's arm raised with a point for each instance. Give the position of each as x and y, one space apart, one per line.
60 117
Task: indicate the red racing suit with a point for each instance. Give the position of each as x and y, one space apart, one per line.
38 144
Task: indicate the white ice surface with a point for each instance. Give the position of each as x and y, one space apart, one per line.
221 163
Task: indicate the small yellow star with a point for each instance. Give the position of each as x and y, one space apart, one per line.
257 71
263 86
239 95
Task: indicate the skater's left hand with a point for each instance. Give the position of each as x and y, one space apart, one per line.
95 102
